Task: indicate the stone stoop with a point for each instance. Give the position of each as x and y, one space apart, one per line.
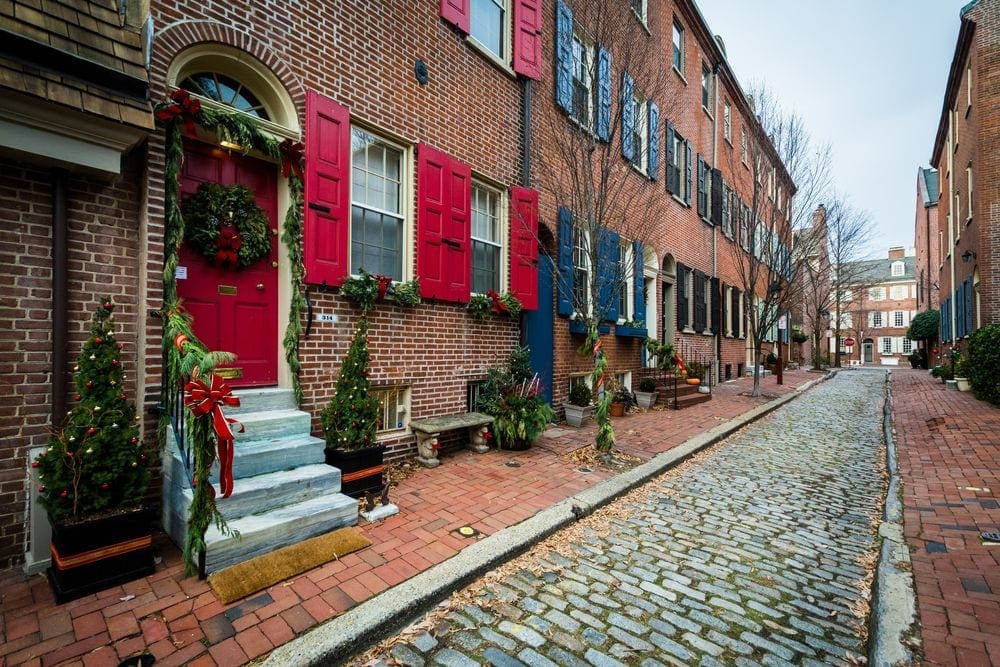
283 491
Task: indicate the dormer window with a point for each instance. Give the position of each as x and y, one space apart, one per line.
898 269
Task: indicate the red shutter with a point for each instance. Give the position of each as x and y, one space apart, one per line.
524 246
444 192
327 197
457 12
527 38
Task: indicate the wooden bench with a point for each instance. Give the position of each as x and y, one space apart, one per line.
428 430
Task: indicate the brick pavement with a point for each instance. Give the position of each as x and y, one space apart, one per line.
180 621
949 461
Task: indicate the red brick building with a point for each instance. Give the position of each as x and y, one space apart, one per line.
966 155
926 234
427 130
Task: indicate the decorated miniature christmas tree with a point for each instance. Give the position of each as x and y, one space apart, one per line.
351 419
96 463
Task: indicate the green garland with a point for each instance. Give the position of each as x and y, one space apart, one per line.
605 438
224 224
244 131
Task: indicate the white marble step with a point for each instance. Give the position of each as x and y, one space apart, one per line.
263 533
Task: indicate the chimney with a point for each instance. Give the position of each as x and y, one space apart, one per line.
897 252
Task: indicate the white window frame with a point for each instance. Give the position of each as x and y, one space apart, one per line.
626 279
706 88
886 347
897 292
398 408
876 319
502 232
897 269
876 294
677 51
907 345
583 72
581 264
968 178
727 122
403 215
503 58
640 114
624 379
898 319
744 148
639 9
680 163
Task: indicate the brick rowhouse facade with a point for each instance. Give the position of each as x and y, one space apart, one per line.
689 244
422 91
966 155
926 238
71 161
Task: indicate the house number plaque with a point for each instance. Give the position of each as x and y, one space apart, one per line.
229 373
228 290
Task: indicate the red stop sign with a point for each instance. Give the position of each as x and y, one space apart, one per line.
849 342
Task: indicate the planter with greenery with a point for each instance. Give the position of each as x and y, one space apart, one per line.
963 368
350 422
94 476
579 407
631 329
621 399
512 395
646 395
365 290
482 306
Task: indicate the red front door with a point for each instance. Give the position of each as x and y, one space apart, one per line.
234 310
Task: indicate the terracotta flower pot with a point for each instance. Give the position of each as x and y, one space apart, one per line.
617 409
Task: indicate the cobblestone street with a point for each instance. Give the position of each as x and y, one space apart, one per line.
758 551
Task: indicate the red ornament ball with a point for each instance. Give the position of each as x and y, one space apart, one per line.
98 340
135 441
77 397
91 431
105 486
120 346
90 383
142 457
64 494
123 397
34 464
41 489
108 305
115 362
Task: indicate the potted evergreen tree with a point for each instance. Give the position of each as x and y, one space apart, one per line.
350 422
579 406
94 476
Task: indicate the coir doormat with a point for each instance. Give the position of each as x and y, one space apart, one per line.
258 573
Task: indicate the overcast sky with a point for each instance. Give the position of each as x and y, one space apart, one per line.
867 76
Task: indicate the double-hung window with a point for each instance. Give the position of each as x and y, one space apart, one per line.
877 319
487 232
727 122
886 345
897 318
678 48
377 219
625 282
581 267
678 167
640 154
899 291
488 26
876 293
706 88
583 95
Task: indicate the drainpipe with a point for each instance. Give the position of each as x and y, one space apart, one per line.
952 222
715 226
60 189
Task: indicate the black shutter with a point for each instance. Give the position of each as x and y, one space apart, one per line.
717 196
716 312
699 301
734 313
682 301
701 187
673 178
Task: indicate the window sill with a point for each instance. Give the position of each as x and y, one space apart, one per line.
707 112
490 56
678 73
680 201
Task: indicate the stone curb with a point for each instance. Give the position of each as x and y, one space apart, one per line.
394 608
893 616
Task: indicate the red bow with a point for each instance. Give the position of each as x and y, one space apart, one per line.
203 400
184 107
179 341
291 158
498 305
680 363
383 285
228 245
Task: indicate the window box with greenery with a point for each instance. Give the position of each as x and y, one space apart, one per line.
482 306
350 422
579 327
631 329
365 290
579 407
647 394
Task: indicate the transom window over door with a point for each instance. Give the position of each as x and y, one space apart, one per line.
488 25
486 242
376 206
225 90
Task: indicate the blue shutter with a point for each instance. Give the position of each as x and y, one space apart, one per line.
565 301
603 94
687 172
653 130
960 310
639 303
607 273
564 57
628 118
969 305
673 184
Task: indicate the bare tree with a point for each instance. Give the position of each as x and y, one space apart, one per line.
849 232
817 284
605 159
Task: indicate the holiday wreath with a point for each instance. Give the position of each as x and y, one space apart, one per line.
224 224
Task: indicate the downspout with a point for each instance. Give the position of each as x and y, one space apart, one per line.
952 222
715 229
60 189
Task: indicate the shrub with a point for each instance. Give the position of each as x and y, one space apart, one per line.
984 360
963 367
647 385
772 358
580 395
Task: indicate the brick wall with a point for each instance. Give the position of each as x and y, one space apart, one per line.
103 260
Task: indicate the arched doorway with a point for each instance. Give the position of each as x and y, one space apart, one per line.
239 311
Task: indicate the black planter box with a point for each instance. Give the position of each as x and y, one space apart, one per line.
95 554
360 469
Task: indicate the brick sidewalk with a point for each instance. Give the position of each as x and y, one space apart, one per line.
949 459
180 621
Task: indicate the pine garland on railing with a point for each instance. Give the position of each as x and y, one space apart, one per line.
292 237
